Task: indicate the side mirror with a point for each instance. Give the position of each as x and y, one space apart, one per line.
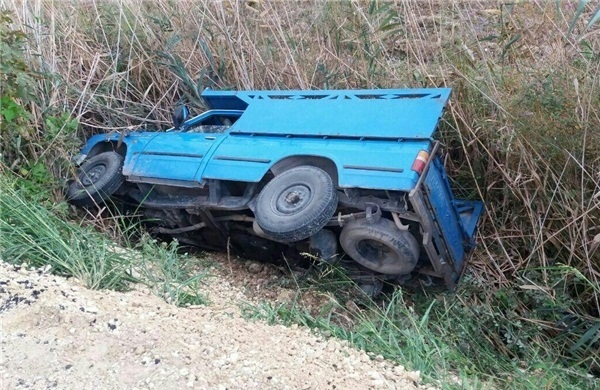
180 115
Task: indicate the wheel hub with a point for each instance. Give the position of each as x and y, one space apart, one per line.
375 252
92 175
293 199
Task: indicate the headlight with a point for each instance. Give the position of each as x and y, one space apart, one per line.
78 159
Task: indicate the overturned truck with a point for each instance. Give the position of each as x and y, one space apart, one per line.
353 177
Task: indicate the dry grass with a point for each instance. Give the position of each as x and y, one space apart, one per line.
521 131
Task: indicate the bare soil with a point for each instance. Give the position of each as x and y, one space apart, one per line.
57 334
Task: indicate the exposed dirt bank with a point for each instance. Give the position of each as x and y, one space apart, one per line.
57 334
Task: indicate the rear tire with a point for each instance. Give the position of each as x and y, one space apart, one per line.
380 246
296 204
98 178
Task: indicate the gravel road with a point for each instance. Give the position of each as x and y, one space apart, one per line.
57 334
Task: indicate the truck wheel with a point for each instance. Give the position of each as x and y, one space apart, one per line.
296 204
380 246
98 178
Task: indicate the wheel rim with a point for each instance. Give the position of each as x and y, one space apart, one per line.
292 199
375 252
92 175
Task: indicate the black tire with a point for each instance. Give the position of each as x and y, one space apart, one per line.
296 204
97 179
380 246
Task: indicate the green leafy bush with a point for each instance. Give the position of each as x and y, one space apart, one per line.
16 91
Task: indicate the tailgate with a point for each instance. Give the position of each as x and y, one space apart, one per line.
455 220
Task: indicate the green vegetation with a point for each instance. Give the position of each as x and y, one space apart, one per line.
455 345
34 226
172 275
521 134
17 87
32 234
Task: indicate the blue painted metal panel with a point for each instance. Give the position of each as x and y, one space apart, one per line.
173 155
391 113
445 213
361 164
342 118
135 143
469 211
93 141
239 100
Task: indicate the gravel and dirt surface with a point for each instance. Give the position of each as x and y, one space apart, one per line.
55 333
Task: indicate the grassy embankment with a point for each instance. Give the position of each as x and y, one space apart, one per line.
521 134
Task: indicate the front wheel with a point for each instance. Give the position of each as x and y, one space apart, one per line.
380 246
97 179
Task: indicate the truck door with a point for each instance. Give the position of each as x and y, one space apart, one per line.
173 158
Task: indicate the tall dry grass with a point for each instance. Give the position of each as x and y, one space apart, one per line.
522 129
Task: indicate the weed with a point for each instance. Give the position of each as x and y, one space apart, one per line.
31 234
171 275
451 343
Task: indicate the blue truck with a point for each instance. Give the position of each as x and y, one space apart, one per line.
353 177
